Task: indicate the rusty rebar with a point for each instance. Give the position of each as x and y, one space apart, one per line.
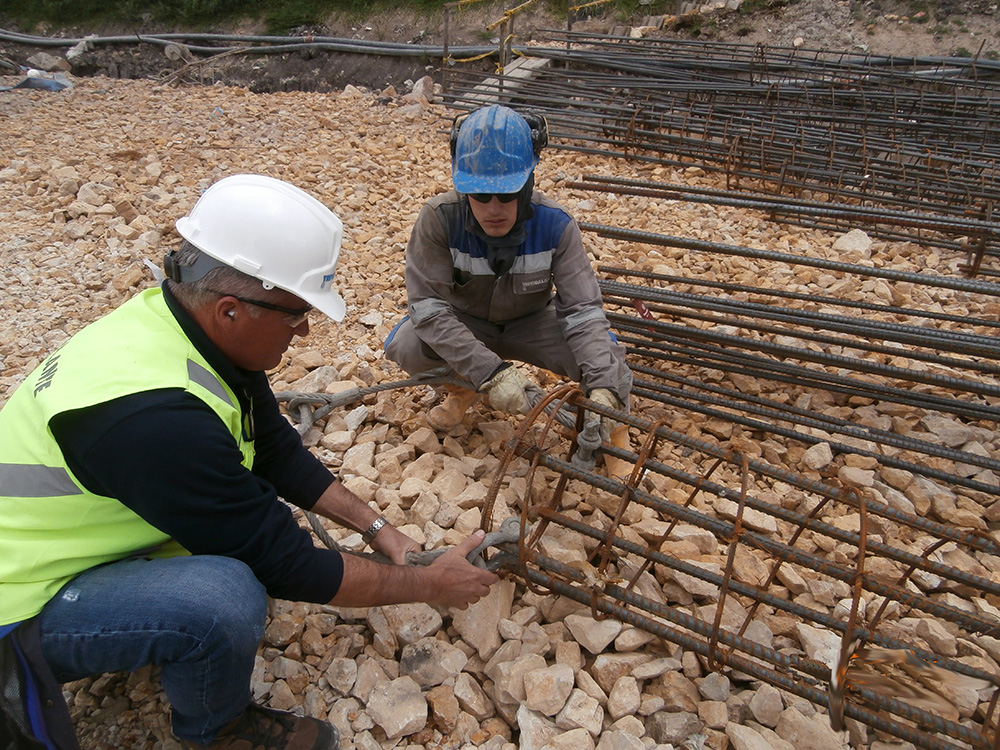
609 582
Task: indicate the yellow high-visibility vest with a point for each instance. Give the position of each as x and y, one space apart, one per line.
51 527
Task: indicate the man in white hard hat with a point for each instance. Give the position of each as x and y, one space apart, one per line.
497 273
140 470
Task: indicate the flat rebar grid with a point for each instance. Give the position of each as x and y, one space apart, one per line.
672 336
920 135
789 556
961 235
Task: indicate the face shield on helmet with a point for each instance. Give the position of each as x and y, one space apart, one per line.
492 152
273 231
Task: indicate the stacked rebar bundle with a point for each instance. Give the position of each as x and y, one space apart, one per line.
918 136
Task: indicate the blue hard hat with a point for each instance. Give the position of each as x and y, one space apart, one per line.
493 152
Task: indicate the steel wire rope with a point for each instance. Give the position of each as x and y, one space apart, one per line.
307 408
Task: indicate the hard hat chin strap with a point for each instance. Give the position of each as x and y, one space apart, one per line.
192 272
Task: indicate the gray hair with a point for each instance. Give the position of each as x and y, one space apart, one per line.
195 294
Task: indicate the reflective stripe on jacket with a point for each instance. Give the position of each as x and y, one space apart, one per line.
447 270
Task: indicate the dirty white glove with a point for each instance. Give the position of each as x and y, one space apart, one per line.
604 397
510 391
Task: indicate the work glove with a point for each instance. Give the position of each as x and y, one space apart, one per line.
510 391
604 397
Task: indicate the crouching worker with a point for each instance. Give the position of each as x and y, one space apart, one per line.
496 273
140 471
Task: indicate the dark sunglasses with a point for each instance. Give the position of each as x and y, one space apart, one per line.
294 315
487 197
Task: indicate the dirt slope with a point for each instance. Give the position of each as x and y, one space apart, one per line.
884 27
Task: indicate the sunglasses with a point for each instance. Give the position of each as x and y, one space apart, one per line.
294 316
487 197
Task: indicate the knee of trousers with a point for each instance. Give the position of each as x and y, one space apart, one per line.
234 607
407 350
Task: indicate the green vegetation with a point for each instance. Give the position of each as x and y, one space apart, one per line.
752 6
95 12
281 16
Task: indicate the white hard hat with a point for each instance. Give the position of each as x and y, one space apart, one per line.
273 231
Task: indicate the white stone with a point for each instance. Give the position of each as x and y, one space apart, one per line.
412 622
575 739
766 705
359 461
624 698
508 676
478 624
581 710
745 738
547 689
431 662
618 740
341 675
818 456
471 697
535 730
398 707
854 245
812 733
821 645
593 635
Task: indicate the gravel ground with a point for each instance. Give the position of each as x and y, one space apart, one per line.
93 181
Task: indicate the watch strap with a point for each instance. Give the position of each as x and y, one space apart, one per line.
369 534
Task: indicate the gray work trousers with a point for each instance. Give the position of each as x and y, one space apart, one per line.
535 339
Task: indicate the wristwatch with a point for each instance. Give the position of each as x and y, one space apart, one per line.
369 534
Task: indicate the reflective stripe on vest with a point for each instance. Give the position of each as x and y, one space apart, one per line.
29 480
51 527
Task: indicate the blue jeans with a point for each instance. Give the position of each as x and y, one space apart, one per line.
199 618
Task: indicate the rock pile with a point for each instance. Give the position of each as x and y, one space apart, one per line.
94 179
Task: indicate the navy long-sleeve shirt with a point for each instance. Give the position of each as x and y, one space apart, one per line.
168 457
